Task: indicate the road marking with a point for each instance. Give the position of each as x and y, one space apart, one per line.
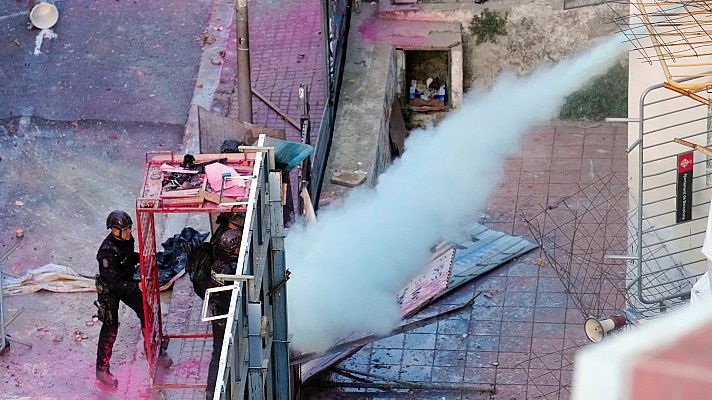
17 14
592 170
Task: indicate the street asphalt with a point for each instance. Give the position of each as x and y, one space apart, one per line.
117 60
78 113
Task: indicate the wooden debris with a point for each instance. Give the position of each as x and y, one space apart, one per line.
348 179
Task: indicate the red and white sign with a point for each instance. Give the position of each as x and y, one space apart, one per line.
685 162
685 165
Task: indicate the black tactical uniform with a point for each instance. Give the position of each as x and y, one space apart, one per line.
117 262
227 246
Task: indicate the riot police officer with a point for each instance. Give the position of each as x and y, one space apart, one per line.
225 253
117 262
228 220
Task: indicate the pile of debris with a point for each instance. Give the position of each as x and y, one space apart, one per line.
427 96
452 265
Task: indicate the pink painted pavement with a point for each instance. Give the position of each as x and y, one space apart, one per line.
286 49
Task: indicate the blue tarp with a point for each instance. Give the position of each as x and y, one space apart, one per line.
288 154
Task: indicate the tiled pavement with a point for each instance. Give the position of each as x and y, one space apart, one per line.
191 357
286 49
522 337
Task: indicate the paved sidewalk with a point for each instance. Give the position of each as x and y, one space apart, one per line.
60 181
522 337
286 49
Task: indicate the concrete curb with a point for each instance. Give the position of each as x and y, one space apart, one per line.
222 14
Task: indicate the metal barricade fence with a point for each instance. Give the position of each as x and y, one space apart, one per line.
671 199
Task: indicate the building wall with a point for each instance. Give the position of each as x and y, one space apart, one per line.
361 140
383 153
456 76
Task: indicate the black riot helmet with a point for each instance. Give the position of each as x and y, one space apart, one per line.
231 146
119 220
237 218
228 244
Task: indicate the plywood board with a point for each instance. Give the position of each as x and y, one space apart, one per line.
422 289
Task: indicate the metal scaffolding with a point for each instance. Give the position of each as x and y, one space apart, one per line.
254 362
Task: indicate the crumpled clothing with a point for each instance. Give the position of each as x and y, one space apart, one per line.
172 260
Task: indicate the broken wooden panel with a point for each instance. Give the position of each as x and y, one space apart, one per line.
483 250
422 289
311 368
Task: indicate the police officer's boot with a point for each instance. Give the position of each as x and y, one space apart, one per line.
107 378
164 361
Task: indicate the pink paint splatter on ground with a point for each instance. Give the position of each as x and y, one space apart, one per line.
190 368
369 29
406 34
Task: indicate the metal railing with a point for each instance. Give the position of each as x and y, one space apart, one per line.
254 363
667 249
336 18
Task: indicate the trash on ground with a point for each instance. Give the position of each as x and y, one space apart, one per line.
172 260
51 277
428 95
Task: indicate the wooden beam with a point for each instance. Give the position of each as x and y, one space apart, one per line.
685 92
694 146
276 109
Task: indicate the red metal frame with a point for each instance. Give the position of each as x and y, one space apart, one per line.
147 204
152 327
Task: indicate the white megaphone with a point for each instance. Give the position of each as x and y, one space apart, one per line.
44 14
596 329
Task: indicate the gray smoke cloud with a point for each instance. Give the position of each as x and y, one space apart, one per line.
348 267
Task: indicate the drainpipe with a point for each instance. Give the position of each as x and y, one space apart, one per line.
244 82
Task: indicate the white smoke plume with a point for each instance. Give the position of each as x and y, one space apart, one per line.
348 267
